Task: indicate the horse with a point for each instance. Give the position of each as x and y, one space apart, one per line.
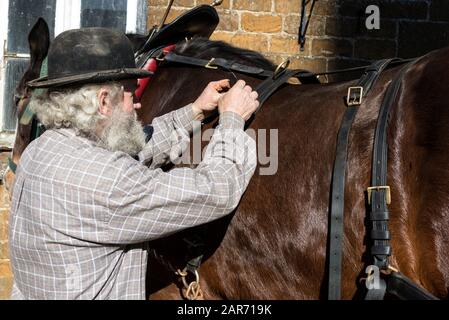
274 246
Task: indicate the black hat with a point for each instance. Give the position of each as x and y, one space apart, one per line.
89 55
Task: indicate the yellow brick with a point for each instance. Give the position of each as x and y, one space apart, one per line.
4 250
5 202
225 5
253 5
284 45
5 268
334 47
222 36
174 13
3 225
156 14
250 41
276 59
291 24
184 3
5 287
288 6
261 23
310 64
326 8
317 25
158 2
229 21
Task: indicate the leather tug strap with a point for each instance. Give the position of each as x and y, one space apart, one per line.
379 197
403 288
355 99
379 194
268 87
216 63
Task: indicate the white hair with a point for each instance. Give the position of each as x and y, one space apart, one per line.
75 108
79 109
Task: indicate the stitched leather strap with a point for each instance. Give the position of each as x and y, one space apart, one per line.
403 288
268 87
379 217
336 222
218 63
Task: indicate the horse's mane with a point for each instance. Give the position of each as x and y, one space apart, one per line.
206 49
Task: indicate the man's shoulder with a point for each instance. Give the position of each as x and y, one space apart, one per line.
61 156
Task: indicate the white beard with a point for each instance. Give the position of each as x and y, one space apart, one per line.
123 132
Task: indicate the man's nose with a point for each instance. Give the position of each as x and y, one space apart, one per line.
137 105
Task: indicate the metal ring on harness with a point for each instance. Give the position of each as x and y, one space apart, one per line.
193 290
281 67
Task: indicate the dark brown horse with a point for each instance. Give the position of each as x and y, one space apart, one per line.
275 245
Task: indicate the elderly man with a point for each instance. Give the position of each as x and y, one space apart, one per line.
90 194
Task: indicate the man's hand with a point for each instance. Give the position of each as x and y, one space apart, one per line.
241 99
208 100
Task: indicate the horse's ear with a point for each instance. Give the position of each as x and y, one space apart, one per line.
137 40
39 41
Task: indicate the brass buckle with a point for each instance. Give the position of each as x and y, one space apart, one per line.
352 92
281 67
161 57
387 190
210 66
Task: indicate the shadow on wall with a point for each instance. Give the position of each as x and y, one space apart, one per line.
408 28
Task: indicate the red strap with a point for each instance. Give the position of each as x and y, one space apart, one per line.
151 65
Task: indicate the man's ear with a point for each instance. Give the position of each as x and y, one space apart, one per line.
104 102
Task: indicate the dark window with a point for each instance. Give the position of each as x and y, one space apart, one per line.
104 13
23 14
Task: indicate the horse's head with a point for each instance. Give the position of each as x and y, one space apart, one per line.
39 42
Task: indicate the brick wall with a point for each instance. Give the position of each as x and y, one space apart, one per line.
337 36
5 270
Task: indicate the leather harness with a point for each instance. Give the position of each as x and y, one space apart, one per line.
379 194
353 102
379 197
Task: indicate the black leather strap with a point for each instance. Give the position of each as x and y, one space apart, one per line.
379 292
272 84
379 194
268 87
195 249
200 21
379 216
217 63
142 60
403 288
336 220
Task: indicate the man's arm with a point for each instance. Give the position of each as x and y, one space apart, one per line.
148 204
170 132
